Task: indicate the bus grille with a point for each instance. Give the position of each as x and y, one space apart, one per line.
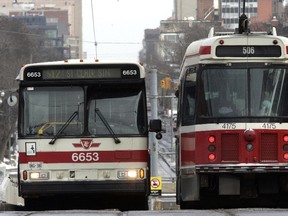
268 147
230 147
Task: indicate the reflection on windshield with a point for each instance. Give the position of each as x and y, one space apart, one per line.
243 92
46 110
120 108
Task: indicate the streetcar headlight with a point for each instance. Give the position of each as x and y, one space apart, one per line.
249 147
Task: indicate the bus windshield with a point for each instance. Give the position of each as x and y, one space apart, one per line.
91 110
236 92
122 108
47 109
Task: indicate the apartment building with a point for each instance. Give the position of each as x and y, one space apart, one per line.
65 14
228 11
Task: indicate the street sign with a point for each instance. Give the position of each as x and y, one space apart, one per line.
156 186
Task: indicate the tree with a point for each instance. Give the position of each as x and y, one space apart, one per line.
19 45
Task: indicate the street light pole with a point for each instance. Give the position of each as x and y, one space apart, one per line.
153 143
6 112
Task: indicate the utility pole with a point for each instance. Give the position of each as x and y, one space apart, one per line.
153 143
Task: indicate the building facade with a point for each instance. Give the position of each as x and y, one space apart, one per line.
66 15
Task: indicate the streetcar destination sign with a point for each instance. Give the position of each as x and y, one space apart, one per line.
43 73
248 51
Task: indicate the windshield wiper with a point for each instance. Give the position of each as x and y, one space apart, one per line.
64 127
116 139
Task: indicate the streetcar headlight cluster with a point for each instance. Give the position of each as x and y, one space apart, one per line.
212 148
285 147
131 174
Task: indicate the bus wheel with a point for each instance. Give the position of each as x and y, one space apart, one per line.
135 203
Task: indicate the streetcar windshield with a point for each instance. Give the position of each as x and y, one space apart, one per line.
47 109
228 92
122 108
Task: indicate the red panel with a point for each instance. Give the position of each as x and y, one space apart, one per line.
269 147
187 149
230 147
85 157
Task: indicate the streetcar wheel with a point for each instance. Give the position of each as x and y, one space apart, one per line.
135 203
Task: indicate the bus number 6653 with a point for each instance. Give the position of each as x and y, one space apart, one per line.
85 157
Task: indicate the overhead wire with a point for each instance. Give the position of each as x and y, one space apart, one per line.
41 36
94 31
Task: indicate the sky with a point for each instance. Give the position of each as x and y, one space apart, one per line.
119 26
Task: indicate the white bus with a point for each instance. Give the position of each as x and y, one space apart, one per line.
83 131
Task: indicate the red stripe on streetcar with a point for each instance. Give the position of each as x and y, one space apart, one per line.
85 157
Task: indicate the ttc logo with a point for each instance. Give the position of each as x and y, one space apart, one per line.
86 144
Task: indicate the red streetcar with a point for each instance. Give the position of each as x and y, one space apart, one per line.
233 119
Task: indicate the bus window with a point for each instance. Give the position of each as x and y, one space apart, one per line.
120 108
47 109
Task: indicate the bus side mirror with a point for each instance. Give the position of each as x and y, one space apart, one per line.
155 125
177 93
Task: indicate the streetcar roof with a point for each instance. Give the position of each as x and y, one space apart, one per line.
204 51
80 62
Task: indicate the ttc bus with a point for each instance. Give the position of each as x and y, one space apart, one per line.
232 129
83 131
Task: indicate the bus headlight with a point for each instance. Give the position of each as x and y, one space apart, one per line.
39 175
127 174
132 173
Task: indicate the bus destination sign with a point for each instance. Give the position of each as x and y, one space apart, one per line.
32 73
248 51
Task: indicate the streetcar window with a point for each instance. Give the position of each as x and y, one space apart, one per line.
222 92
247 92
47 109
121 108
189 96
269 90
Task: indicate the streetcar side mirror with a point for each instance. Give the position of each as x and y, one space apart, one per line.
155 125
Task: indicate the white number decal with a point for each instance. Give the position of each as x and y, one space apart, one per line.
269 126
34 74
129 72
85 157
248 50
229 126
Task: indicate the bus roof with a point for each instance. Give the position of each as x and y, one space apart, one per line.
80 62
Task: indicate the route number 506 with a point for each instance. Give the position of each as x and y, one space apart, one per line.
85 157
248 50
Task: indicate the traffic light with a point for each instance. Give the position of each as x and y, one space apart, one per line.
167 83
163 84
